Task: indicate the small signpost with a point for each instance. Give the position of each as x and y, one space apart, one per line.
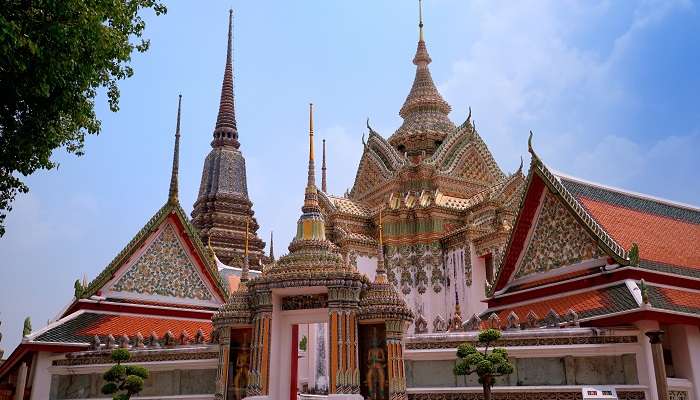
599 393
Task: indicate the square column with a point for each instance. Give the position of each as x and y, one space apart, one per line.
686 354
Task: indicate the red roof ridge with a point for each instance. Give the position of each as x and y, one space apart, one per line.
561 175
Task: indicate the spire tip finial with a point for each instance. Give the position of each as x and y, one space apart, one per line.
324 187
420 20
173 192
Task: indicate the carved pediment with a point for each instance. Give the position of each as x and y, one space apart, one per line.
558 239
371 173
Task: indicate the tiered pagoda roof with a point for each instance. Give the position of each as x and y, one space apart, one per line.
223 206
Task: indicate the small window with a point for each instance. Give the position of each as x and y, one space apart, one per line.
402 149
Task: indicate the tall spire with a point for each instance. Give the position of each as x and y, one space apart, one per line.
380 276
311 226
272 246
312 173
425 112
173 192
323 169
225 132
311 193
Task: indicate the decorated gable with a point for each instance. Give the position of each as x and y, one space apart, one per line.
164 269
557 239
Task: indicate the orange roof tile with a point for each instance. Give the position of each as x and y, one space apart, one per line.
659 238
585 304
131 324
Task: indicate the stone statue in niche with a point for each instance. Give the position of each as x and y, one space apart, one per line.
240 379
376 362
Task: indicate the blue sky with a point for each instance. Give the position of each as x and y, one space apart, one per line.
610 88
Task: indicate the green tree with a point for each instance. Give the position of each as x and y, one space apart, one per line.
54 56
487 365
123 381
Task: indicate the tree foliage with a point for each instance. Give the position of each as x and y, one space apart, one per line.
123 381
54 56
487 365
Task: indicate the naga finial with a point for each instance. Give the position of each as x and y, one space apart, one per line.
469 117
520 168
529 144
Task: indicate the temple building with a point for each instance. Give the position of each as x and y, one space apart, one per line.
596 289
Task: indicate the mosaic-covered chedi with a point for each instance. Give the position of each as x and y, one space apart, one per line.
595 288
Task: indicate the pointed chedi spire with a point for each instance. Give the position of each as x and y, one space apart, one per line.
380 276
173 192
272 246
225 132
311 225
223 205
311 193
425 112
324 189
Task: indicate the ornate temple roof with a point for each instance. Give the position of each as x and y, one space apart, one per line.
425 112
667 233
83 326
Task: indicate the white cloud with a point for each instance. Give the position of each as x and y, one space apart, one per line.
523 70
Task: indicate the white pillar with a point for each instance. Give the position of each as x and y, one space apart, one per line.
645 361
21 381
685 349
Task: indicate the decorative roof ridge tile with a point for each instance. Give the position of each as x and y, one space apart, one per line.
397 160
641 196
447 144
134 244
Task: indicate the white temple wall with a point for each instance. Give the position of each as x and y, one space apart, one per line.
456 282
476 292
685 352
367 266
645 362
41 384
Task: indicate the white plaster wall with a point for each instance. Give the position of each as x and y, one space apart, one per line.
367 266
685 349
645 362
41 385
475 294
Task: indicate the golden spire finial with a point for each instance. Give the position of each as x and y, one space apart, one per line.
311 131
420 20
380 274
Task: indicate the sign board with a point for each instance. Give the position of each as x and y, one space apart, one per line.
599 393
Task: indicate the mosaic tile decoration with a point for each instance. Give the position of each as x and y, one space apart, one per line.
558 240
164 269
